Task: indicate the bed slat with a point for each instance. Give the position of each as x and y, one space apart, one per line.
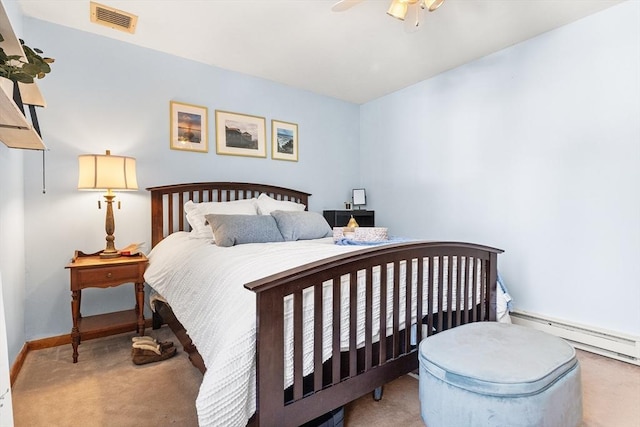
335 333
297 345
318 306
368 326
419 301
449 290
407 302
396 312
353 310
383 312
440 289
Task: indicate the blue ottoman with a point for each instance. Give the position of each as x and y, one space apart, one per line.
498 374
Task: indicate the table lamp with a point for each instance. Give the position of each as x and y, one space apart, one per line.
107 172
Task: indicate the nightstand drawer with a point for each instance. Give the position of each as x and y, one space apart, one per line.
95 277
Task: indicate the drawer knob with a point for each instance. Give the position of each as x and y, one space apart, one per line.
109 275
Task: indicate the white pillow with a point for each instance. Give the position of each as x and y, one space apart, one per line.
267 204
196 214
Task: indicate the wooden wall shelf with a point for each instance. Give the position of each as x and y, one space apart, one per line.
15 130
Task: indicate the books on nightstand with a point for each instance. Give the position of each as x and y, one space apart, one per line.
132 249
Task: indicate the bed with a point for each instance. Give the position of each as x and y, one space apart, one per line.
310 325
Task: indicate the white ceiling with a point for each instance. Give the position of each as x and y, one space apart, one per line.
356 55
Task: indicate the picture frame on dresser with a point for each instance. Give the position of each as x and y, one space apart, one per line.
359 197
284 141
188 127
240 134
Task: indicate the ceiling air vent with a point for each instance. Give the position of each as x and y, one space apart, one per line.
113 18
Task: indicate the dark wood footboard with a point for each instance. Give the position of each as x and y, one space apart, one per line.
468 294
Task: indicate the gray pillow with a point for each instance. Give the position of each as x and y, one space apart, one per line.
302 225
230 230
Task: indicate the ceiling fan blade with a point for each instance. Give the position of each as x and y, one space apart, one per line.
343 5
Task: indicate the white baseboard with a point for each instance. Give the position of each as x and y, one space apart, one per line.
606 343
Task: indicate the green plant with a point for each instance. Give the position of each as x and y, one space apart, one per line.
15 68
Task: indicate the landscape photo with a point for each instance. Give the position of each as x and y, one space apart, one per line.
241 134
189 127
285 141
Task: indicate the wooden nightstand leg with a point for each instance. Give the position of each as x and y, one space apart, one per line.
140 307
75 331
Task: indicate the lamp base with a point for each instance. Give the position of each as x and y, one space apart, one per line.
107 255
110 226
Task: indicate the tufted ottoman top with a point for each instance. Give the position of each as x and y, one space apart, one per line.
497 359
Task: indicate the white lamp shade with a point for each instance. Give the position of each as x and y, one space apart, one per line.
106 172
398 9
433 4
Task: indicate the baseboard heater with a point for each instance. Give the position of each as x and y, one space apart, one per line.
606 343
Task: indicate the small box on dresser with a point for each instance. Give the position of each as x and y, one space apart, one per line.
361 234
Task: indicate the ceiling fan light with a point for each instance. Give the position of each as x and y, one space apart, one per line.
433 4
398 9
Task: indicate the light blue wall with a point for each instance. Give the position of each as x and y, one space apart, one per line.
105 94
12 245
535 150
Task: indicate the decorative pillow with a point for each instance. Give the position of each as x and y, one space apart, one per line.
268 204
196 214
301 225
230 230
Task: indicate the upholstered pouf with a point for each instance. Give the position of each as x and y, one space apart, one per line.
498 374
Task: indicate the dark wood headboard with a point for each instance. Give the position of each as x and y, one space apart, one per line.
167 202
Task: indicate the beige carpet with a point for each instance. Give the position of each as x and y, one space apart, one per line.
105 389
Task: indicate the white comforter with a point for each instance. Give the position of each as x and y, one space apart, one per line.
205 286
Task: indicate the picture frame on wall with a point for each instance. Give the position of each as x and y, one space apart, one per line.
284 141
189 127
240 134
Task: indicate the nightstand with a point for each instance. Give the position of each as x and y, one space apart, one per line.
340 218
90 271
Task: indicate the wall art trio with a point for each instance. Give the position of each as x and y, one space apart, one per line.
236 134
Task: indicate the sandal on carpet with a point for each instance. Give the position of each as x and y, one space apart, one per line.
151 340
141 356
148 345
143 338
154 346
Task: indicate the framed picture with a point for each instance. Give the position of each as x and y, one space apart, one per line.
240 134
359 197
284 141
188 127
